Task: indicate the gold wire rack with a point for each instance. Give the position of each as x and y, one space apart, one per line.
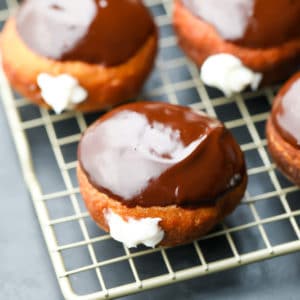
87 262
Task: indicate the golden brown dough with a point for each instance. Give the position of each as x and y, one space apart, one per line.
285 155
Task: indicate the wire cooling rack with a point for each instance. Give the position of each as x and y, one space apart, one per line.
87 262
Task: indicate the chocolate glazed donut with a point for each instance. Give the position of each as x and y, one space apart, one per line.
161 161
101 35
263 34
250 23
283 129
91 46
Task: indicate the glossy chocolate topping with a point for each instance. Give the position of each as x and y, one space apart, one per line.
251 23
286 111
104 32
151 154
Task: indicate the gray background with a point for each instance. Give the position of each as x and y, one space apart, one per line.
26 271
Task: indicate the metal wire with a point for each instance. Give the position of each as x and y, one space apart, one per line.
269 200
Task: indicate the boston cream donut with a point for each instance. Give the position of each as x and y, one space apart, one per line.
262 34
82 54
283 129
159 174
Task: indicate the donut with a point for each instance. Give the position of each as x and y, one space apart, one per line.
154 173
80 54
262 34
283 134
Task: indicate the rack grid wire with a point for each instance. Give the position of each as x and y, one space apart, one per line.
87 262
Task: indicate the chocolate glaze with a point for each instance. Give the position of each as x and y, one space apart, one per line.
105 32
251 23
152 154
286 111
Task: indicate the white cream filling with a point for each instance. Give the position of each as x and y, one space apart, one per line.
133 232
227 73
61 92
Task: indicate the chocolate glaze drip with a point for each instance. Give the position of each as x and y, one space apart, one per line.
251 23
104 32
152 154
286 111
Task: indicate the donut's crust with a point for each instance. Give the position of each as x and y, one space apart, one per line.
285 155
199 40
181 225
106 86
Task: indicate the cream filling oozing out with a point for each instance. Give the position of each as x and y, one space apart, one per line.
132 232
61 92
227 73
